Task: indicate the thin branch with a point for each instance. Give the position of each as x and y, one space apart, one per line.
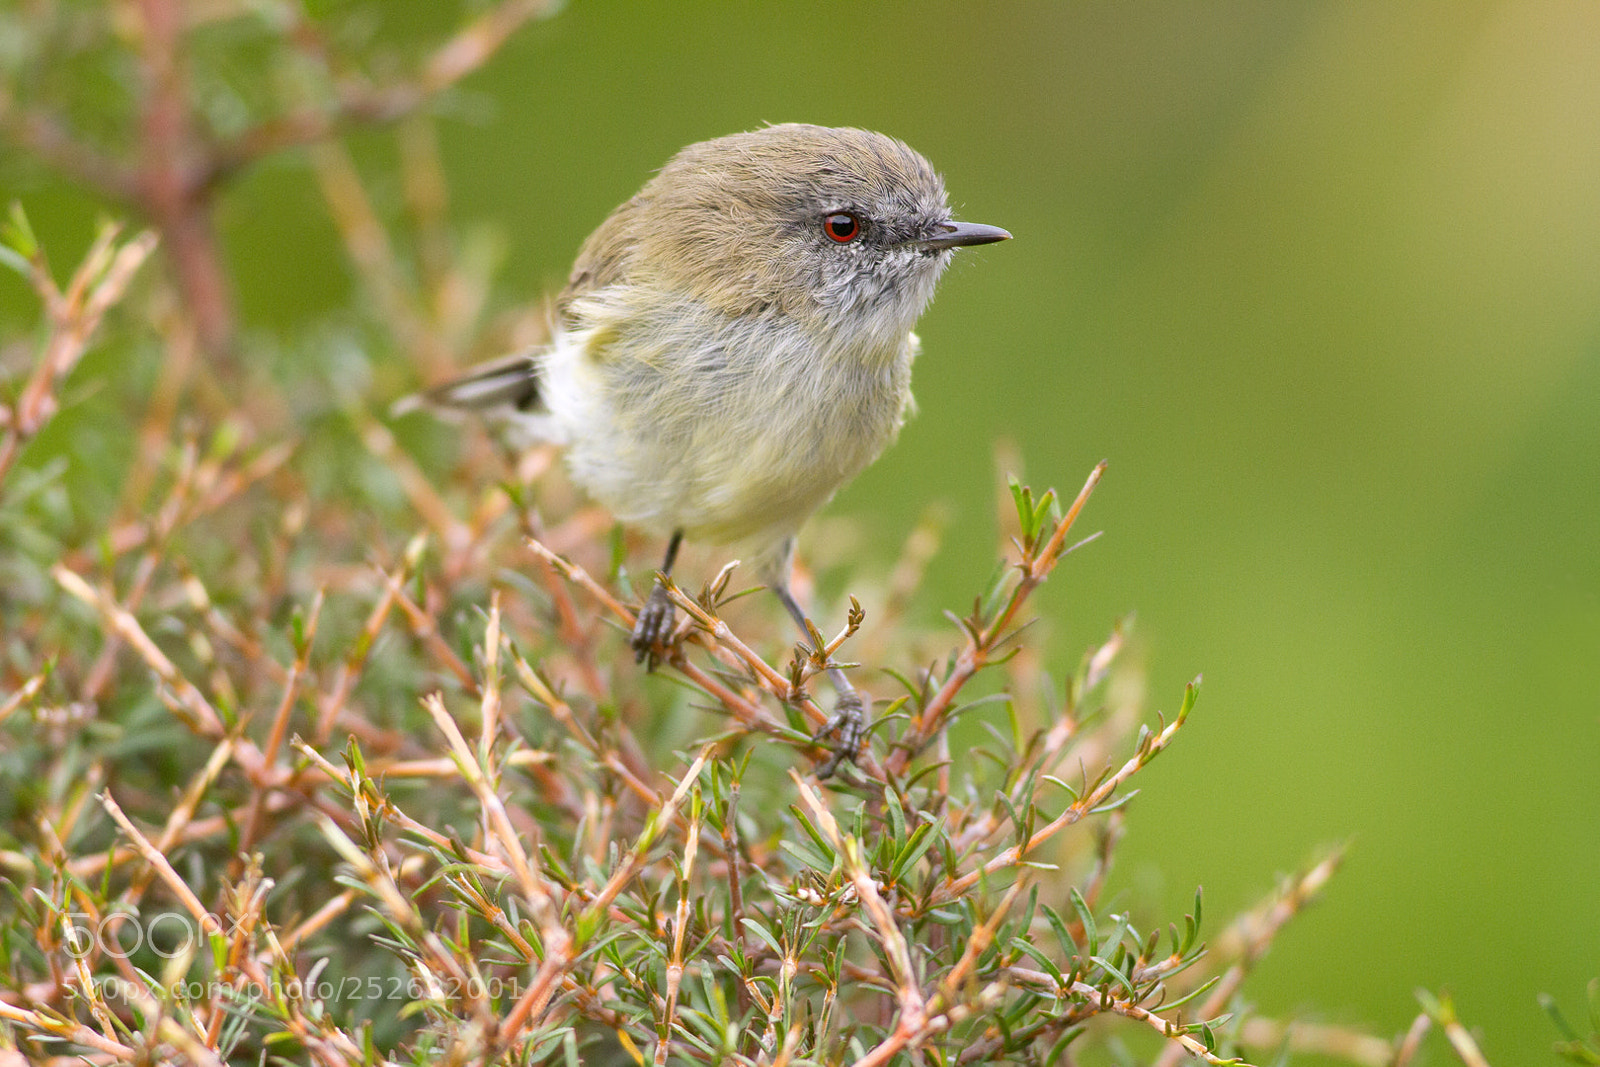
75 316
1258 931
357 104
50 139
982 644
1152 746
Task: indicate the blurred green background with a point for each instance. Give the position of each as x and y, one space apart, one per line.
1322 281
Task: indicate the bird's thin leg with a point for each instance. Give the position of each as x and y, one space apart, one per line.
653 625
848 718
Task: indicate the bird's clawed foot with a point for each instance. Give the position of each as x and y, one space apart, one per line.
652 627
850 724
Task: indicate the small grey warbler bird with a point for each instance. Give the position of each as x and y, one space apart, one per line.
734 344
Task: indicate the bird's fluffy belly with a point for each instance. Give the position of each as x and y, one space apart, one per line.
718 445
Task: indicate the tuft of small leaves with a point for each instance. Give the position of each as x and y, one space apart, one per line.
1573 1046
1035 518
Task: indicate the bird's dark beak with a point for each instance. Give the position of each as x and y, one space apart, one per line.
959 235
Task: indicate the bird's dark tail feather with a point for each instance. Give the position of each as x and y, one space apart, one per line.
511 383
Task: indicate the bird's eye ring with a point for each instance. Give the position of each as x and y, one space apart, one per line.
842 227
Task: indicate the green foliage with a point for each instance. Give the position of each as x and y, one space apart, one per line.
1573 1046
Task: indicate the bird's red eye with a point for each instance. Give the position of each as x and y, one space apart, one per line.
842 227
